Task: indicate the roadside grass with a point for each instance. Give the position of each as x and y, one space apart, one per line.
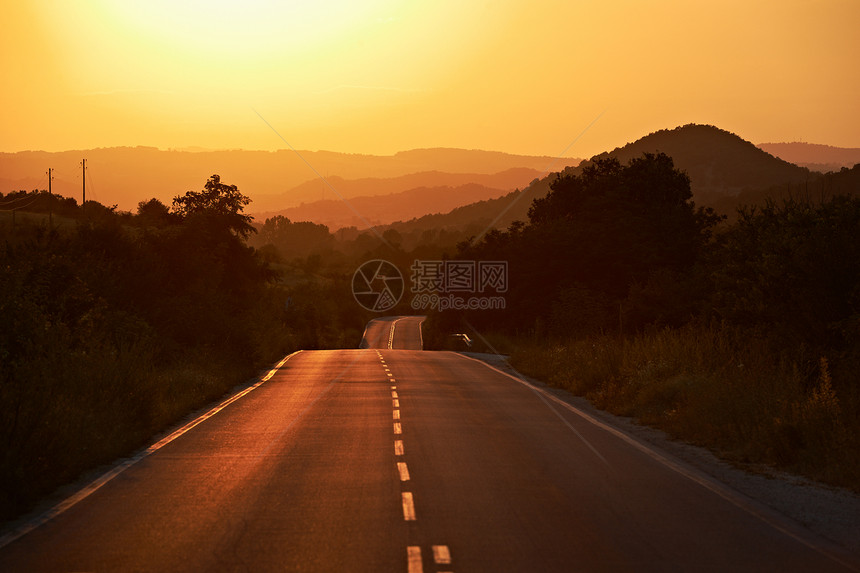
67 413
716 387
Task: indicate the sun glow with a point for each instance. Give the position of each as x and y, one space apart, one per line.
163 44
245 29
379 76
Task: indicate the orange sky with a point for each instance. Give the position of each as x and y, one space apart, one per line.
379 76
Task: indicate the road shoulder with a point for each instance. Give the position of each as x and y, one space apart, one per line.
829 512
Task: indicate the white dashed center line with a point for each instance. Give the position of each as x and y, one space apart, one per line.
408 506
404 471
413 555
441 555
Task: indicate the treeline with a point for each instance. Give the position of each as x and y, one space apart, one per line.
622 249
115 325
623 290
315 248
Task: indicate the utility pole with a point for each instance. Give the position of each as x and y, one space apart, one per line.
84 179
50 200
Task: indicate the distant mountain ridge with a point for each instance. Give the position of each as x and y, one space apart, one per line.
127 175
384 209
814 156
335 186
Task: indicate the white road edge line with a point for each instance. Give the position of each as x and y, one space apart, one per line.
739 500
102 480
391 334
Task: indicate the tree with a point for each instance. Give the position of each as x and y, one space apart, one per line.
594 236
219 201
794 268
294 239
613 225
393 237
153 213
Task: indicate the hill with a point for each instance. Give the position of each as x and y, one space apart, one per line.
126 175
716 160
721 166
814 156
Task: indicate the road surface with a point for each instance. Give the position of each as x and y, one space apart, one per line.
382 459
394 332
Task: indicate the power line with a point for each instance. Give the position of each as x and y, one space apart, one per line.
36 198
21 198
26 193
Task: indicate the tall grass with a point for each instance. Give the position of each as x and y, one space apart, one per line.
717 387
71 411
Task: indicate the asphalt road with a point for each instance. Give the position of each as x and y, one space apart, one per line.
383 459
394 332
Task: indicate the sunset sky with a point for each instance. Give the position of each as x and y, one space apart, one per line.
380 76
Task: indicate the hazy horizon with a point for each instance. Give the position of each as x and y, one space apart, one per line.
198 149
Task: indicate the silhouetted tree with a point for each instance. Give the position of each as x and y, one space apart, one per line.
293 240
220 201
595 235
154 213
393 237
794 269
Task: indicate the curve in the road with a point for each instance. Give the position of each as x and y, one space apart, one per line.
394 333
